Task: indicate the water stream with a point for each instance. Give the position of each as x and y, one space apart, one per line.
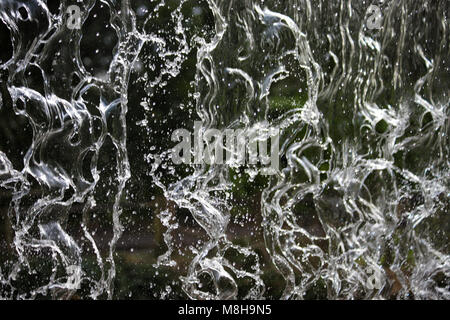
357 206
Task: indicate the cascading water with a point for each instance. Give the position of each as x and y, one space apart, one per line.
93 204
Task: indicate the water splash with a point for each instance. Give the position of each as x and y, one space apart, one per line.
358 208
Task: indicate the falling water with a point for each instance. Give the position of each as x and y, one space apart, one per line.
91 92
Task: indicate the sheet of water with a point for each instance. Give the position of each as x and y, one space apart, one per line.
359 92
